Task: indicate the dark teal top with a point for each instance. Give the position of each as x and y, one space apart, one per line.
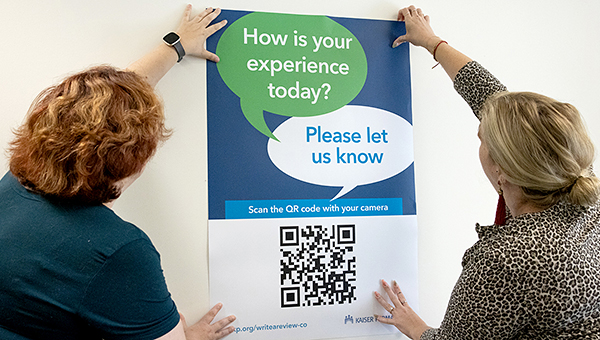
70 271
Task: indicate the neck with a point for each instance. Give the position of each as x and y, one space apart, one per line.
522 208
516 202
123 184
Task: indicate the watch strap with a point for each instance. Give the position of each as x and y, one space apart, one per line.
180 50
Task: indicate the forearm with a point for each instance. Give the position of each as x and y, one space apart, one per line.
475 84
155 64
192 31
177 333
450 58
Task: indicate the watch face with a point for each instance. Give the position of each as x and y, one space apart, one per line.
171 38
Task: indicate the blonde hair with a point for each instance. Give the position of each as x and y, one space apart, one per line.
542 146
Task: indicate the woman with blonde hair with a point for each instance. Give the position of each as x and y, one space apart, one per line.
534 273
71 268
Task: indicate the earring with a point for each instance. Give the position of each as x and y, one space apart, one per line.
500 209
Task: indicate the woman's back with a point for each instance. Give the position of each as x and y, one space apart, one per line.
536 277
75 271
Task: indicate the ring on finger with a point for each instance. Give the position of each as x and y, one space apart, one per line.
403 302
391 310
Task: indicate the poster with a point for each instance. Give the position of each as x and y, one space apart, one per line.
310 174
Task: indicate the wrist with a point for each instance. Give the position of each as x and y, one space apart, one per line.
432 42
172 39
419 332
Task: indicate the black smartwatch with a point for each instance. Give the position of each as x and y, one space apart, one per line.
172 39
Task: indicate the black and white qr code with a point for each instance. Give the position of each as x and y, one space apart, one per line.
317 265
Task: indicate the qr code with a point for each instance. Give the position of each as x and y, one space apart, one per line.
318 265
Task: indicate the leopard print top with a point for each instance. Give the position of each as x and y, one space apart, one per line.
537 277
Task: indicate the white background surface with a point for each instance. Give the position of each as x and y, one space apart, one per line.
546 46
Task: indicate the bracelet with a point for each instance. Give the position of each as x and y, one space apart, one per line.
435 50
436 47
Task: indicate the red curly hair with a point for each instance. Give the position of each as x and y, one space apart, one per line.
85 134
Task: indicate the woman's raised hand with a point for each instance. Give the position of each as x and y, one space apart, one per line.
193 31
418 29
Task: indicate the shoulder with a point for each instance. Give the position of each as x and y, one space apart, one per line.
532 242
494 248
559 225
63 223
515 249
95 227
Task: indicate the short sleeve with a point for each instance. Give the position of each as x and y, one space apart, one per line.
476 84
128 298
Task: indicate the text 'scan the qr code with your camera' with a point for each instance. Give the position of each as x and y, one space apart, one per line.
317 265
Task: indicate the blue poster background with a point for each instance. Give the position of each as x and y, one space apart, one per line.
239 167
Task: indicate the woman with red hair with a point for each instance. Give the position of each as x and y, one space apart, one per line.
71 268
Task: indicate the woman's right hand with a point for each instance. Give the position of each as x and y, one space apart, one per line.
418 29
193 31
205 329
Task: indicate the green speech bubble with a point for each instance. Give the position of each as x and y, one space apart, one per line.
290 65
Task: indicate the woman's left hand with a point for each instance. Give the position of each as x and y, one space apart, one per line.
205 329
193 31
403 317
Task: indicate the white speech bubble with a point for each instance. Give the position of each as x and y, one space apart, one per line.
353 161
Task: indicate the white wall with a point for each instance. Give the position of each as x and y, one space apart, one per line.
547 46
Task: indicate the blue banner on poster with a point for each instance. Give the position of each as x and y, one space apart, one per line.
308 108
313 208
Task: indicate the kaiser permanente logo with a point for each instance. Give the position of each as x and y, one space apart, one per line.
349 319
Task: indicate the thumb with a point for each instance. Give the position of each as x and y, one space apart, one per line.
183 320
210 56
399 41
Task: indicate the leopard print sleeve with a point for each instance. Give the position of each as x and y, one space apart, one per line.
476 84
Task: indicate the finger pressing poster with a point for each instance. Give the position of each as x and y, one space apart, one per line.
310 173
